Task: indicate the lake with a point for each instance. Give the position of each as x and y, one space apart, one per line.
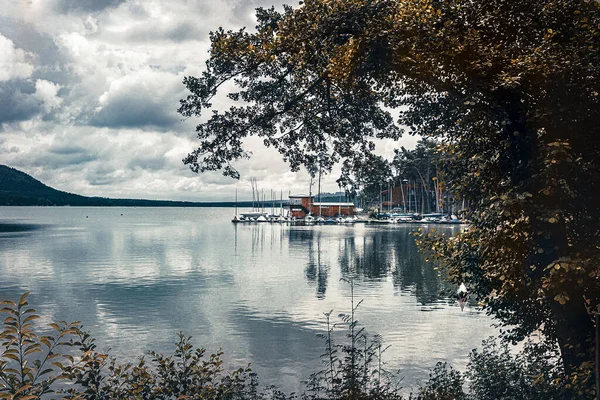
136 277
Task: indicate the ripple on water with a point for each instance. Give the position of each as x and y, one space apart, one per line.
257 291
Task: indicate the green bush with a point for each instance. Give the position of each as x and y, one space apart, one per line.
353 370
497 373
445 383
66 364
30 365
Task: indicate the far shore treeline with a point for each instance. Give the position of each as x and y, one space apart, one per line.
19 189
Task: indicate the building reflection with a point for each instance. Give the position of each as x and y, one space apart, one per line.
371 255
316 270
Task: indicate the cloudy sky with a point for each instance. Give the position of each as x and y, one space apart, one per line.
89 91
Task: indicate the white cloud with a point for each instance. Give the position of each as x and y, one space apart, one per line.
142 98
47 92
90 89
13 61
76 45
91 24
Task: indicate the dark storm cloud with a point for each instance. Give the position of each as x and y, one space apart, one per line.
106 175
66 150
17 101
180 32
66 6
52 162
125 112
25 36
147 98
59 156
149 163
100 180
18 98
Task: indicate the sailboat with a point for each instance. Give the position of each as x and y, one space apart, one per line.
281 218
256 213
236 218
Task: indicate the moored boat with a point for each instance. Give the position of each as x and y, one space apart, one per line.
254 214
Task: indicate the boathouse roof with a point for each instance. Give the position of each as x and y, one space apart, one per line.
336 204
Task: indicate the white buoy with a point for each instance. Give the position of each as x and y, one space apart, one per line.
462 294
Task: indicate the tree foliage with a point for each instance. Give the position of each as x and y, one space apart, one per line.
285 93
511 91
370 174
423 168
497 372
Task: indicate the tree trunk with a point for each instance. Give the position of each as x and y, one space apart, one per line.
575 333
597 348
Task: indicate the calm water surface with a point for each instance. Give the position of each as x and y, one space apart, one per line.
136 277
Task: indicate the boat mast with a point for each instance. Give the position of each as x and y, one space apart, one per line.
319 188
253 196
340 199
391 196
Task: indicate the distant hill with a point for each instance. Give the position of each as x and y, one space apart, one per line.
19 189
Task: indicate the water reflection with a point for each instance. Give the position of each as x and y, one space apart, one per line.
256 290
316 271
366 257
369 255
295 348
18 227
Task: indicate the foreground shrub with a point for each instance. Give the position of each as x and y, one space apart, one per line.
188 374
445 383
354 370
30 365
65 364
497 373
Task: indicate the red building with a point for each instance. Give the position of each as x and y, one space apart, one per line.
302 205
332 209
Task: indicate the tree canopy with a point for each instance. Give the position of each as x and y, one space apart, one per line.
371 174
510 90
